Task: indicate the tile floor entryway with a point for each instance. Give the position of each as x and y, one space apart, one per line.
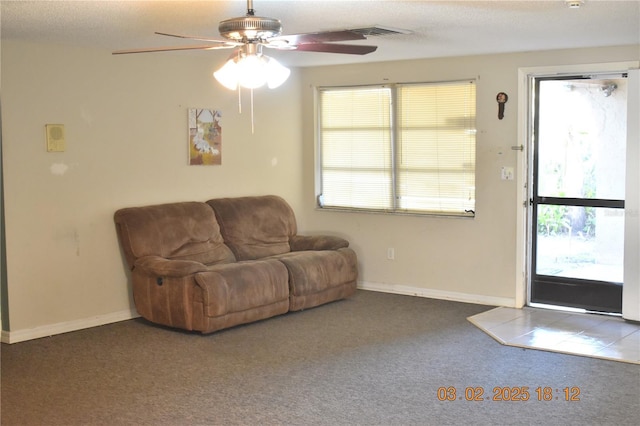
592 335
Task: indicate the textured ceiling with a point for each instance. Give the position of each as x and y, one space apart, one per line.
438 28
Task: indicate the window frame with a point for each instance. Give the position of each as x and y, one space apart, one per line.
395 167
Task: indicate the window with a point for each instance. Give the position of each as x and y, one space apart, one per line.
405 148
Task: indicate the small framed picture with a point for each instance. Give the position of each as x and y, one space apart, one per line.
205 137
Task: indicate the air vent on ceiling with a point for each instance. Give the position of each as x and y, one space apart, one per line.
377 30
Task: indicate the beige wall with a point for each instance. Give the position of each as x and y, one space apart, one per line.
125 119
464 259
126 125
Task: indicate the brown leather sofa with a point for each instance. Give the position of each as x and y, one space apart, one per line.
229 261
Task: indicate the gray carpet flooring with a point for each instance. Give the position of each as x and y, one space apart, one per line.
374 359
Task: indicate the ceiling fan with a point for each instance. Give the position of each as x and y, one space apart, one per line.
248 67
250 33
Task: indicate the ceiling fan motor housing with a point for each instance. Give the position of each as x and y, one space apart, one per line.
250 28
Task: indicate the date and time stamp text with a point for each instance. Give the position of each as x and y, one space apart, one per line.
509 393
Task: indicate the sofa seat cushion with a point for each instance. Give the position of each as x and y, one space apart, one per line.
316 277
242 286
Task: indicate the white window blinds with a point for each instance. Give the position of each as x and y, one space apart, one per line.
436 147
402 148
356 148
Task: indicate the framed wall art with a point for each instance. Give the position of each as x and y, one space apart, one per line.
205 137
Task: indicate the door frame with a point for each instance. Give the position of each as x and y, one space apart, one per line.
524 176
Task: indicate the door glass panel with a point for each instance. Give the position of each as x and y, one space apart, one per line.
580 242
582 138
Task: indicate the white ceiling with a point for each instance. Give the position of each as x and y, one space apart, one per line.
438 28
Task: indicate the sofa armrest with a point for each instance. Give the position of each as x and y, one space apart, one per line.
318 242
163 267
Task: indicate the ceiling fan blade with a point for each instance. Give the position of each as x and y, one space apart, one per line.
170 48
350 49
320 37
210 40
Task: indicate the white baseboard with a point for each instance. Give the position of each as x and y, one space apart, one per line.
65 327
437 294
16 336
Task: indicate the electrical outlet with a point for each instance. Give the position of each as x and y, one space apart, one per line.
391 253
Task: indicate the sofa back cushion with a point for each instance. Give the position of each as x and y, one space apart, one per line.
255 227
181 231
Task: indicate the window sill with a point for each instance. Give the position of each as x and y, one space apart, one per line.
398 212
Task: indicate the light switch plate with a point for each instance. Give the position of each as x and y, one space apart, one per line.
55 137
506 173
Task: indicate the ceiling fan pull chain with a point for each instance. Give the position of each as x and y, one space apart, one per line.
252 123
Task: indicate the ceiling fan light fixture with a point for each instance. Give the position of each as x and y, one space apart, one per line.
228 74
251 69
277 74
